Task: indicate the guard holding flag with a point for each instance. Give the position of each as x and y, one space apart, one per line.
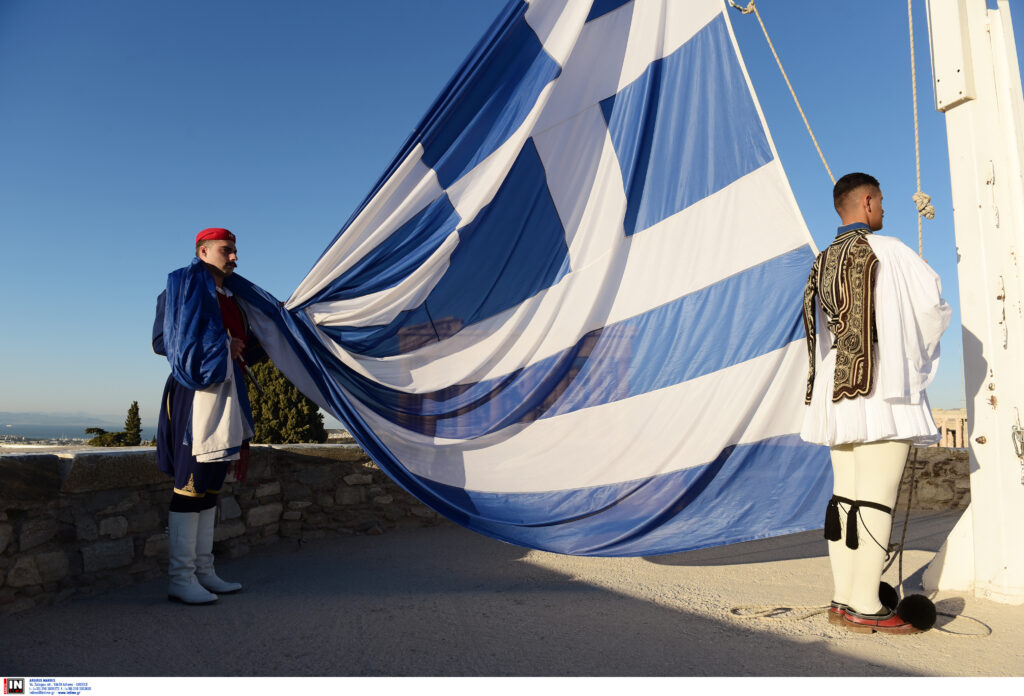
205 421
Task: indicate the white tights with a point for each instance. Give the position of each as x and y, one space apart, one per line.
867 472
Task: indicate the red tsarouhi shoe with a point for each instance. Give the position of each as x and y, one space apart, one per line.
886 622
836 612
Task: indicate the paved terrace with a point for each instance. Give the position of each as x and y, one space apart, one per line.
443 601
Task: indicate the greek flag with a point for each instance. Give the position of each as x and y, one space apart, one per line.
568 314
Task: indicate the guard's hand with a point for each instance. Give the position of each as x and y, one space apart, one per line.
237 347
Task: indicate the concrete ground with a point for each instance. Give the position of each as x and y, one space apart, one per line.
448 602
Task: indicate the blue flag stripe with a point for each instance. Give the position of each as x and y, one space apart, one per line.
513 249
743 485
491 104
451 94
667 168
673 343
399 255
603 7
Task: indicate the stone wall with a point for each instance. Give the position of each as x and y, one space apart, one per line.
943 479
83 522
78 523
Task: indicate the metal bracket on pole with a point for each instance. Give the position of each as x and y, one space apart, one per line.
1017 432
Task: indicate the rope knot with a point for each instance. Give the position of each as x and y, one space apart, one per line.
749 9
924 205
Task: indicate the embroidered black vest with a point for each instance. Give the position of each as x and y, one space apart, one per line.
843 279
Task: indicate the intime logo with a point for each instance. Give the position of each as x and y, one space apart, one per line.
14 685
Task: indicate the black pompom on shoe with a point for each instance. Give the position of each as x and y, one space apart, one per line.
917 610
888 595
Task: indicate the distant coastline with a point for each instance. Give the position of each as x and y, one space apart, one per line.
73 431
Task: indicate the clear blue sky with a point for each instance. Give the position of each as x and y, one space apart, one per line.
126 127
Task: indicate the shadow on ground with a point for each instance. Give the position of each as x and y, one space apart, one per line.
926 532
429 602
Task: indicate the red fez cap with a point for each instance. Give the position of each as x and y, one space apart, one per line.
214 233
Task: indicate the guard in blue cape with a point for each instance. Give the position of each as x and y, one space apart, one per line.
874 313
205 421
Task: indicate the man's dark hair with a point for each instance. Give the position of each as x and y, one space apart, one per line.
848 183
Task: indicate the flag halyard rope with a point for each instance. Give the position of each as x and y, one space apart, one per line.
921 200
751 8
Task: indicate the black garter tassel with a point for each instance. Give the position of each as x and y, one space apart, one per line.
833 527
852 541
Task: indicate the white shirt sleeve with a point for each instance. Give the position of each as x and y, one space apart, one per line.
910 316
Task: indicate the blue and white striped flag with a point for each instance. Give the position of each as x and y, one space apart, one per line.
568 315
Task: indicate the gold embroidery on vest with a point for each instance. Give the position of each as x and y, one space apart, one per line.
809 321
843 280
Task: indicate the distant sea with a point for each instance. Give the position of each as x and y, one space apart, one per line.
53 432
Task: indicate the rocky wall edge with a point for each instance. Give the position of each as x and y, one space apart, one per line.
77 523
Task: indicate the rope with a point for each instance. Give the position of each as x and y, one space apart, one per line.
752 9
921 200
753 611
906 519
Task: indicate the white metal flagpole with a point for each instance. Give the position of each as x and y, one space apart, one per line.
977 85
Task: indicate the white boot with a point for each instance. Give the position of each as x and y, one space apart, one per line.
204 556
181 552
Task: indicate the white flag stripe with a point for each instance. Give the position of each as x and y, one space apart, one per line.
557 25
477 188
701 245
667 430
593 70
412 188
382 307
658 29
585 182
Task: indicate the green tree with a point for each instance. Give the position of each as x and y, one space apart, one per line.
130 437
104 439
283 414
133 426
